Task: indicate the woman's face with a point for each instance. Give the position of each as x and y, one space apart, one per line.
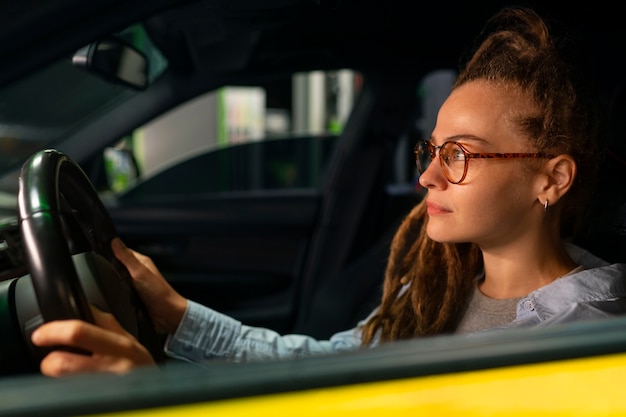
497 200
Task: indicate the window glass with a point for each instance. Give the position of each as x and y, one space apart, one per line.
273 136
431 92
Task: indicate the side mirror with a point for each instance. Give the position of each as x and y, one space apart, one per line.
120 167
116 61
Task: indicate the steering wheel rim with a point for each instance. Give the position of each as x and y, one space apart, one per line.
61 214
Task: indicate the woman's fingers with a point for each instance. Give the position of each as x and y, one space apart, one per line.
140 266
147 278
109 347
165 305
127 256
60 363
80 334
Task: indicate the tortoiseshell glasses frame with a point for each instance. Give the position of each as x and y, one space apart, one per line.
454 157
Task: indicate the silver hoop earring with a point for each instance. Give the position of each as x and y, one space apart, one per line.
545 205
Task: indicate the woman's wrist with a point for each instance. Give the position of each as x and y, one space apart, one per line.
170 319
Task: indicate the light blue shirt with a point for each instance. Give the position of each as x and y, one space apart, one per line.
206 335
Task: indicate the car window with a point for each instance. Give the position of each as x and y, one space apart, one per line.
239 138
276 136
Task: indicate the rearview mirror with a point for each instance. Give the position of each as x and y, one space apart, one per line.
116 61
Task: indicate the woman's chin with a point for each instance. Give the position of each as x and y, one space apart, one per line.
443 236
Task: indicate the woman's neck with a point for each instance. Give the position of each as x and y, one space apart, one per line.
520 269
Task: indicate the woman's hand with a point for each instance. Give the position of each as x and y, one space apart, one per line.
107 346
165 306
112 348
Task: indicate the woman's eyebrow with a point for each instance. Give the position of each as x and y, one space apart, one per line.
467 138
460 138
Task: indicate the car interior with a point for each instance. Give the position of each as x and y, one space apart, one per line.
307 257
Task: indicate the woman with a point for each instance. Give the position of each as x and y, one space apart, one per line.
511 158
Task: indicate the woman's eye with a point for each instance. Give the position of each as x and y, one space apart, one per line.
458 155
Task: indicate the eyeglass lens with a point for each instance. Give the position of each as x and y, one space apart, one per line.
451 155
424 155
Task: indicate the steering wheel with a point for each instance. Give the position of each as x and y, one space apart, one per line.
67 234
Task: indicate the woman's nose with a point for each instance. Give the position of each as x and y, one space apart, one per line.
433 176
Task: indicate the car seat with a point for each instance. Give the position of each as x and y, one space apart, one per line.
604 231
350 243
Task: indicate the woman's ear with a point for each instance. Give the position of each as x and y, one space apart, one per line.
559 174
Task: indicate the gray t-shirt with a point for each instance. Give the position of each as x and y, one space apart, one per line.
484 312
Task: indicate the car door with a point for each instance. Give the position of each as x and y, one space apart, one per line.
227 227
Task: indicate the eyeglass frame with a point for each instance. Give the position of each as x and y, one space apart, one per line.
435 151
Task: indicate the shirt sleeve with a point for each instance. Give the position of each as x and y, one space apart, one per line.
205 335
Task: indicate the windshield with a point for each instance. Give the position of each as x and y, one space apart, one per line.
47 105
39 110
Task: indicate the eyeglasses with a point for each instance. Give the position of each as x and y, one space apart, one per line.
454 158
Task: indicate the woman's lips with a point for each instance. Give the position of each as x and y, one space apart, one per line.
434 209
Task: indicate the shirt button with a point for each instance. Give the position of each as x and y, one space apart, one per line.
528 305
